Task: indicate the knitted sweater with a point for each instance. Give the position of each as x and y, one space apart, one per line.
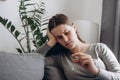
60 67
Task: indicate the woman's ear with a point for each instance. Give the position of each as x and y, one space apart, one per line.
75 26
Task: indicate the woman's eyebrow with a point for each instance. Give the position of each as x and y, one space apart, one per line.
62 32
65 30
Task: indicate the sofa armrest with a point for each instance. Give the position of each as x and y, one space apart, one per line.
21 66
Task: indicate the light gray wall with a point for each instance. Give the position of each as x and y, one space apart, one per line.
10 11
84 9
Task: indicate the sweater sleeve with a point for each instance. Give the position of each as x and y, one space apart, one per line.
52 70
112 65
43 49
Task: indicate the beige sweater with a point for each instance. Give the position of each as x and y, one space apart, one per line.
60 67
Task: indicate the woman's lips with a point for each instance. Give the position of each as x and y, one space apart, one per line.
68 44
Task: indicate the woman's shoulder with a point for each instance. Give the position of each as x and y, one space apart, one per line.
98 45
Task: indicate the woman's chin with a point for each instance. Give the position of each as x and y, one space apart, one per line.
70 47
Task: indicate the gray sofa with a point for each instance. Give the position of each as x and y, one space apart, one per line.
23 66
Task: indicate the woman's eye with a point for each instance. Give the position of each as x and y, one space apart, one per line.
59 37
66 33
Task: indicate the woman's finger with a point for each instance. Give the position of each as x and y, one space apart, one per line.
77 54
85 63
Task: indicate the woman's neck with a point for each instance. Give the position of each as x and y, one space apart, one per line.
80 47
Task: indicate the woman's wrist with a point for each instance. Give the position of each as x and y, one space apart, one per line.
51 43
97 72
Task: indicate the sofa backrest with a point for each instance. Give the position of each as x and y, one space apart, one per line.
23 66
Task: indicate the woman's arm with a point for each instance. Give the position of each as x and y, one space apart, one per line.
112 65
43 49
53 70
48 45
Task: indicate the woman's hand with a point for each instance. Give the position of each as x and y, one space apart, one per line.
86 62
52 41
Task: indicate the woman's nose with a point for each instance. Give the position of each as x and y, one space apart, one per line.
65 38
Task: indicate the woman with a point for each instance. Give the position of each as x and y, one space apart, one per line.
70 58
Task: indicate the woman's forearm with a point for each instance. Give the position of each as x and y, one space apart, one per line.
43 49
108 75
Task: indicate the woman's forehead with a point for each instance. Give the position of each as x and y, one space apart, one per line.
61 28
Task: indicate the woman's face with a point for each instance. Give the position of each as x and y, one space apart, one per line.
66 35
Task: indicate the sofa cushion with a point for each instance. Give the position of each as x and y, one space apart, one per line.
23 66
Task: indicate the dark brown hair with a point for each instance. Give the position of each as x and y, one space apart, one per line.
59 19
